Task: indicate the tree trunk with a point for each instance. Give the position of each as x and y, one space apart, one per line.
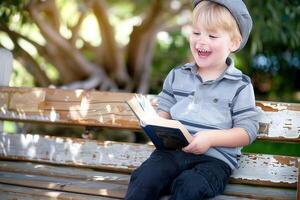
111 55
140 48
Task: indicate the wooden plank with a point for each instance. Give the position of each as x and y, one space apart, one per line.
26 102
257 169
118 191
225 197
279 121
74 152
13 192
123 179
255 192
72 107
270 170
63 172
64 184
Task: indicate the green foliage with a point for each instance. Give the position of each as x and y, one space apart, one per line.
20 77
275 24
273 50
166 57
12 7
288 149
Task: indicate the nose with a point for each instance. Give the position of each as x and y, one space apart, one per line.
200 40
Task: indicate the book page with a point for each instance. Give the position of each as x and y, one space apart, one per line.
142 108
146 105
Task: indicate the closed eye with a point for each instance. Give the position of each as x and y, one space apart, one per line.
196 33
213 36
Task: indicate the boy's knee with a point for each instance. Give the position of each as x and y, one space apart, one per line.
191 188
151 177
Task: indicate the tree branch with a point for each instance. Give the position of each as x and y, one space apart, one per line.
51 12
49 52
142 41
75 29
51 35
112 59
94 81
27 60
140 47
32 66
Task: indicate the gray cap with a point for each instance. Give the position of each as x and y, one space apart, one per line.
241 14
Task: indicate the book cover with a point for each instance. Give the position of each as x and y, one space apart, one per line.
165 134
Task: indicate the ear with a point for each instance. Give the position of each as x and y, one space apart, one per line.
235 44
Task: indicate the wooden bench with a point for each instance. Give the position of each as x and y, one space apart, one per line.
45 167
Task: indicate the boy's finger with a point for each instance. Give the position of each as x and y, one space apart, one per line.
188 148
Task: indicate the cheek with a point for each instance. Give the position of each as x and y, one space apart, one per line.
192 42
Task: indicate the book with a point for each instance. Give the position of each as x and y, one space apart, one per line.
165 134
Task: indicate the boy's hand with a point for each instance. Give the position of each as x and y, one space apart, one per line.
200 144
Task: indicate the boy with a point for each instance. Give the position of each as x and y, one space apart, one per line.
216 103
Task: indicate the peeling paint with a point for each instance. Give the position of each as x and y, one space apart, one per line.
278 170
275 169
282 123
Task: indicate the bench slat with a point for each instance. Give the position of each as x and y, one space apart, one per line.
72 107
63 172
225 197
255 192
64 184
54 182
279 122
27 193
257 169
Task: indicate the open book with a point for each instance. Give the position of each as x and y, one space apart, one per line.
166 134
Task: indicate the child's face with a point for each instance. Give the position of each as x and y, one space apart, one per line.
210 48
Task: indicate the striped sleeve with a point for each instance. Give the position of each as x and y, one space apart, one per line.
244 112
166 98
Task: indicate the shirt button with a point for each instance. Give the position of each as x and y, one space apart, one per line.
215 100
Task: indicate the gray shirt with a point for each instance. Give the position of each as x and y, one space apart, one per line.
224 103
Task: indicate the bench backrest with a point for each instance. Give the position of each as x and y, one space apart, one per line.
279 121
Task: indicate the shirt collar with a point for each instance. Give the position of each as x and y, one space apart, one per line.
191 66
231 72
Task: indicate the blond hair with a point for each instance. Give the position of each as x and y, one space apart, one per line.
214 17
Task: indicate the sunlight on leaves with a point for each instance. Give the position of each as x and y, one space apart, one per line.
20 77
89 30
6 41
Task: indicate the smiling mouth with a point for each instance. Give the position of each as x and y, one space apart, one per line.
203 52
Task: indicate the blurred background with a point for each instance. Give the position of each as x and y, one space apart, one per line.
131 45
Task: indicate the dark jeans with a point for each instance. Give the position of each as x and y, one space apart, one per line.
183 175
